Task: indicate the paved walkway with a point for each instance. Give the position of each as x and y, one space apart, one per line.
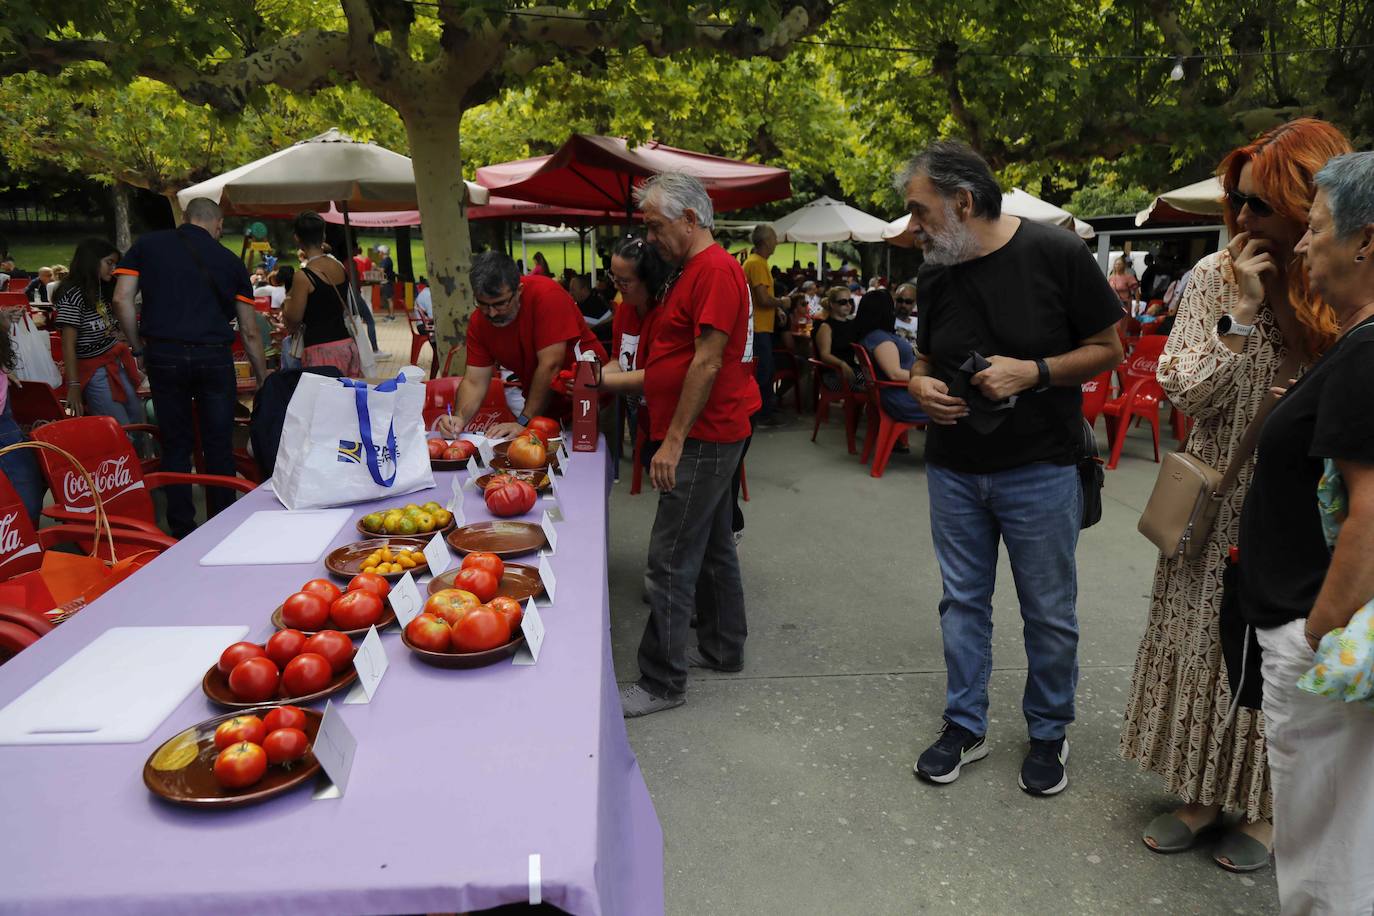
788 788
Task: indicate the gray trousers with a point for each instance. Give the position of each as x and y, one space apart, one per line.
693 564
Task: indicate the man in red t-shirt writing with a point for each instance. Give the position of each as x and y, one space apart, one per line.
529 325
699 383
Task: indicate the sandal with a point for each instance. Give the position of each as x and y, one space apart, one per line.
1239 852
1171 834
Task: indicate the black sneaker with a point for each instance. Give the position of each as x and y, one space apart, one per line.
1043 771
955 747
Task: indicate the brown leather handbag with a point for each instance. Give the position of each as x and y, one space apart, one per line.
1183 506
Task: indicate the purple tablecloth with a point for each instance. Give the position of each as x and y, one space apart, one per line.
459 775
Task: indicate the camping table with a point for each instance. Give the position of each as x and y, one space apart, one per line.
459 777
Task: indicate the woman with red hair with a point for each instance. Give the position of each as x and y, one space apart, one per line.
1247 308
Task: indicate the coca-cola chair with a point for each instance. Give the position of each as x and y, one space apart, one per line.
1096 392
850 401
35 402
419 336
1140 396
883 429
442 392
105 452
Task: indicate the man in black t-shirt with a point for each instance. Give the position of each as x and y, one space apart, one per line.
1014 317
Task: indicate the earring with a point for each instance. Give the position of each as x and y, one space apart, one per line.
1359 259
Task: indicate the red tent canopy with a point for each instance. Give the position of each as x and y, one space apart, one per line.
600 173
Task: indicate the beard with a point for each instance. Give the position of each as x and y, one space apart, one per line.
953 245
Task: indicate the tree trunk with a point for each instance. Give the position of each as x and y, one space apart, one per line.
123 236
175 205
443 206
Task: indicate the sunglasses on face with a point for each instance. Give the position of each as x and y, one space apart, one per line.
1239 202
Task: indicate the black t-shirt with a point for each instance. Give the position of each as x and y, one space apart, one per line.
1039 295
1328 413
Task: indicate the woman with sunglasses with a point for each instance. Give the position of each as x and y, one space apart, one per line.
835 339
1246 307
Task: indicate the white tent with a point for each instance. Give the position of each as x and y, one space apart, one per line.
1185 204
828 220
1015 202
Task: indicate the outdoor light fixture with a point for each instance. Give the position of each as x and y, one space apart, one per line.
1176 74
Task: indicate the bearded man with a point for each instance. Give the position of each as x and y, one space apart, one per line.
1014 317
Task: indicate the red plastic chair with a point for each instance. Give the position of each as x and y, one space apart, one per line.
16 285
104 450
419 336
10 299
788 372
1140 397
850 400
35 402
262 304
1096 392
882 435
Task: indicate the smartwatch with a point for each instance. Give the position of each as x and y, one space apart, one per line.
1043 383
1230 327
523 420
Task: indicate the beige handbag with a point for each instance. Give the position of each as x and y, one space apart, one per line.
1183 506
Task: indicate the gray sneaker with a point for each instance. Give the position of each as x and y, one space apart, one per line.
635 701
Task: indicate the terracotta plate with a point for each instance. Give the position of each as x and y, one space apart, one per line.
425 534
465 659
387 619
347 561
216 687
440 464
503 538
500 463
519 582
182 769
537 479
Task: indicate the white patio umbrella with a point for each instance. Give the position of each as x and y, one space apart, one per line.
828 220
1015 202
1185 204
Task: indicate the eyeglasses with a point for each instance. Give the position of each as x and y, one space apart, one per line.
905 301
1239 202
498 306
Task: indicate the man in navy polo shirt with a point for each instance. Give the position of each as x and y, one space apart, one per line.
193 288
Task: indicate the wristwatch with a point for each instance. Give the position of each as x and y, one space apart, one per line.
1229 326
1043 382
523 420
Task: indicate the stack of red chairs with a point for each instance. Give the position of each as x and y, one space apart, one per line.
1140 395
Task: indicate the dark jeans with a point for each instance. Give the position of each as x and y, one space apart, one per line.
187 378
693 564
21 467
763 371
370 321
736 513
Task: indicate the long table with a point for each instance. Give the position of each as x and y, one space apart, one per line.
459 777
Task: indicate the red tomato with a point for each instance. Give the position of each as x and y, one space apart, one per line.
356 610
334 646
436 447
324 588
464 448
370 582
240 728
240 765
545 428
306 673
510 609
451 604
254 679
453 453
478 581
305 611
285 745
511 497
428 631
284 717
527 451
239 651
488 561
285 645
480 629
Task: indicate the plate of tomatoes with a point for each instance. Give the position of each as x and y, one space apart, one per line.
487 576
290 667
410 520
528 451
449 454
236 759
456 630
321 605
502 537
390 558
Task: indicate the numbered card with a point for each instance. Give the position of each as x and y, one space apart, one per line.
546 576
550 534
370 662
485 452
552 495
406 600
455 502
559 467
334 748
563 446
532 625
437 555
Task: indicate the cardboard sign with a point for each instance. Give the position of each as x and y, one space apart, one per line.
550 534
406 600
546 575
437 555
334 748
532 625
371 663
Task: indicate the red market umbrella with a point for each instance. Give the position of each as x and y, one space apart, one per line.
601 173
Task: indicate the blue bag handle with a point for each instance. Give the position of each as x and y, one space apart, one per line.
365 427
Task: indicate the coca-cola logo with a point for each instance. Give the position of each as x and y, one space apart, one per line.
1144 366
9 534
113 477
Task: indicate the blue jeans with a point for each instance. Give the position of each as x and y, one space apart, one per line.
188 381
100 402
1035 510
21 467
370 320
763 372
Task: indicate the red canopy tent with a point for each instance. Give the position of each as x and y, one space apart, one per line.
601 173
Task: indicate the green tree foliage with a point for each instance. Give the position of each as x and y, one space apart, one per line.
1103 199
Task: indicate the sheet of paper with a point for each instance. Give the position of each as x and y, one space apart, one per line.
455 502
550 533
437 555
406 600
485 452
532 625
371 663
546 575
334 748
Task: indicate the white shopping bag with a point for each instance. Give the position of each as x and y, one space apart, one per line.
345 441
357 326
33 360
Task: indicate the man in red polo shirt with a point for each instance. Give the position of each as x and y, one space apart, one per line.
528 325
699 385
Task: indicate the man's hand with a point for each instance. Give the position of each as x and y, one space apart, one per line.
1006 377
663 467
448 426
934 398
504 431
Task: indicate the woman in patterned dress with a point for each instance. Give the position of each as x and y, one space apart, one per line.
1176 718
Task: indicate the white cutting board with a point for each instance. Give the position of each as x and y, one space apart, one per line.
278 536
118 689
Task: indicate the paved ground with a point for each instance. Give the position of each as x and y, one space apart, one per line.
788 788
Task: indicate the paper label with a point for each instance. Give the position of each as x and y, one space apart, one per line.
406 600
553 488
437 555
546 576
550 534
334 747
532 625
485 452
371 663
455 502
